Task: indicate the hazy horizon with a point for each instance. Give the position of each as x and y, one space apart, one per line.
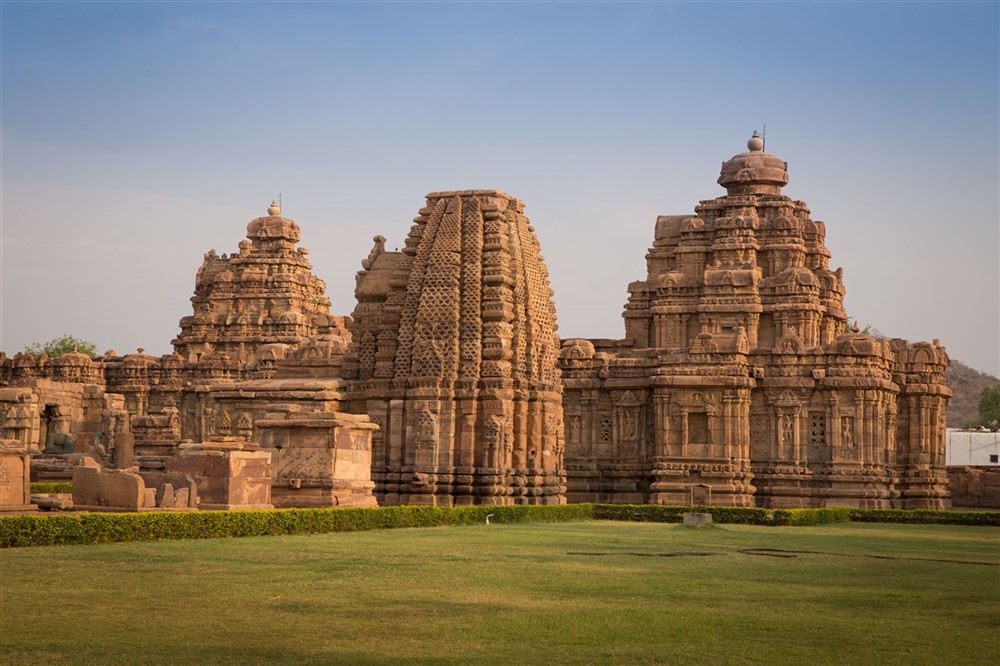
137 136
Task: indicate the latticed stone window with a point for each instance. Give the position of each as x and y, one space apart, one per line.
605 428
817 428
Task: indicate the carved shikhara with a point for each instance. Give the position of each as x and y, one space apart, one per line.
265 294
454 356
736 383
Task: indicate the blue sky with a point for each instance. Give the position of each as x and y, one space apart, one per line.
136 136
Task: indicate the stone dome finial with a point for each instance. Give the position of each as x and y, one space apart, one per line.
274 208
754 172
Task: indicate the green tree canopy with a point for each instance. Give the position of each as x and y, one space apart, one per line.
989 407
59 346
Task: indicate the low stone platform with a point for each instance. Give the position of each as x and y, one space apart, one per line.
229 474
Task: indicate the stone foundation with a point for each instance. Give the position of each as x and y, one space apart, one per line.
974 487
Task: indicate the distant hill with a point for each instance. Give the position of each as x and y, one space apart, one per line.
966 387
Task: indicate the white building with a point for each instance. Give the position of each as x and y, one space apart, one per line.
972 447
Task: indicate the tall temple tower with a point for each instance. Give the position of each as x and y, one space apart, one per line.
251 309
454 357
738 383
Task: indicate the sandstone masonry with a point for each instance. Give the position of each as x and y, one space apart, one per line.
738 381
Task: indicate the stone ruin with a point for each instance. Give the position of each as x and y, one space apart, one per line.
261 347
738 381
15 476
96 488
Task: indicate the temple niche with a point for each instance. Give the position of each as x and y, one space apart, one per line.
738 381
454 356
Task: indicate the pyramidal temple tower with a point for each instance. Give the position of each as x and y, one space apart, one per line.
264 294
454 356
738 381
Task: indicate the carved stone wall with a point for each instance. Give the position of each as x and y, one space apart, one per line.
737 369
454 357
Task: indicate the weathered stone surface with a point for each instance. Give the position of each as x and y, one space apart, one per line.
453 355
52 501
263 295
225 475
974 487
692 519
97 489
169 488
57 415
15 476
320 461
737 380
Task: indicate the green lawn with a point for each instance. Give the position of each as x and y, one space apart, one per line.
572 593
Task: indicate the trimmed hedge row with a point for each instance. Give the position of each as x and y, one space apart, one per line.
87 528
720 514
51 487
926 517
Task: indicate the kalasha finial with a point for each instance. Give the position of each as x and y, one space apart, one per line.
274 208
756 143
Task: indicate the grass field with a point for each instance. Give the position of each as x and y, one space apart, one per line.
575 593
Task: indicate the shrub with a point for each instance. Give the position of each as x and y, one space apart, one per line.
720 514
811 516
926 517
83 528
51 487
641 513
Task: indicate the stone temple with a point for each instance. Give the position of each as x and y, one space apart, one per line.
738 381
454 357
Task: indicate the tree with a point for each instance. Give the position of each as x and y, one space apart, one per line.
852 327
989 407
59 346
